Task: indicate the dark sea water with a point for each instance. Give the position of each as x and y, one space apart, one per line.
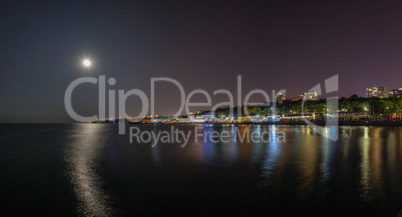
90 170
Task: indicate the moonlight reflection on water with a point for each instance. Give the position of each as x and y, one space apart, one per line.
82 156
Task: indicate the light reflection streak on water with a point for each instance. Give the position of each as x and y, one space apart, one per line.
82 155
244 143
234 145
328 152
345 137
309 158
259 136
372 147
208 146
272 155
391 152
377 150
325 159
365 165
156 155
228 145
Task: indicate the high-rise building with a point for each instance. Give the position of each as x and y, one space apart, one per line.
395 92
380 92
311 95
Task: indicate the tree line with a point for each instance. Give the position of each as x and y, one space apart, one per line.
353 104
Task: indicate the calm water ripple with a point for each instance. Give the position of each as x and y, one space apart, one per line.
90 170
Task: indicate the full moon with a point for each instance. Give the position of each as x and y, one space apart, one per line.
87 63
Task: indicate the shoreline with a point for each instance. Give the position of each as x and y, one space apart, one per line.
343 123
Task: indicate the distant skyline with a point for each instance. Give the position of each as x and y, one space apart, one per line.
273 45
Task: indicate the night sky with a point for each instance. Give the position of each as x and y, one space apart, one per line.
273 45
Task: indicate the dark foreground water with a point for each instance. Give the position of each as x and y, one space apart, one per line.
90 170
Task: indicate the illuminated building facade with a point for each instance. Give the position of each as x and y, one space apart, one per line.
395 92
380 92
311 95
